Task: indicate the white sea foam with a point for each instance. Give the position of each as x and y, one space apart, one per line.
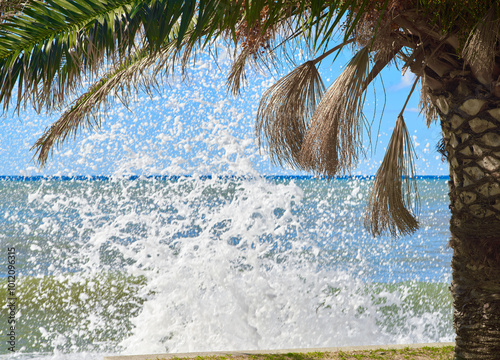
229 264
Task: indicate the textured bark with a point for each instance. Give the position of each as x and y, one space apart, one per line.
470 119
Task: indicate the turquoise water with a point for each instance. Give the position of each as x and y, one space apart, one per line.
156 264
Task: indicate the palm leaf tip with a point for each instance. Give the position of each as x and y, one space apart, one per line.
284 113
44 146
394 194
81 115
333 142
237 77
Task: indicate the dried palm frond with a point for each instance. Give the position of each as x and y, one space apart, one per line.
284 112
333 141
480 48
251 33
427 104
259 50
391 195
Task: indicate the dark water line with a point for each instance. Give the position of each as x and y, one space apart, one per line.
202 177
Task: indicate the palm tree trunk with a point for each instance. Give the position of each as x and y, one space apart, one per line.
470 120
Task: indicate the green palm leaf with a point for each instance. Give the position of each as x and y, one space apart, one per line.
45 50
137 72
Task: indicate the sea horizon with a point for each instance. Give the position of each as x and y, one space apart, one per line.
204 176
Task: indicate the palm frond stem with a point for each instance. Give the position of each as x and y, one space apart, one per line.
417 79
380 65
331 51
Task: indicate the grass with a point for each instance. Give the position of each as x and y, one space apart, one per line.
423 353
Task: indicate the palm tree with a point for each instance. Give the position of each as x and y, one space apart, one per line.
452 47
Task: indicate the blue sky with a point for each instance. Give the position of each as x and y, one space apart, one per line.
195 126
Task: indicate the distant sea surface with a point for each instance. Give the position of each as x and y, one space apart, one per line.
112 265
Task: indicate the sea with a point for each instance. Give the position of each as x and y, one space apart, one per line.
96 265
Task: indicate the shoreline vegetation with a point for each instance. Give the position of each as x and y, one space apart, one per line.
407 353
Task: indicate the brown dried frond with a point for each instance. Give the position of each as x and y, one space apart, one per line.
256 46
427 105
333 142
481 48
284 113
391 195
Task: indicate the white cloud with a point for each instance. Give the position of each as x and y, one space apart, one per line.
406 81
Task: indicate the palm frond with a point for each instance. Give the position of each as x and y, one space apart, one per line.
481 48
237 76
333 142
284 112
394 184
84 113
138 72
11 8
44 50
394 196
427 104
